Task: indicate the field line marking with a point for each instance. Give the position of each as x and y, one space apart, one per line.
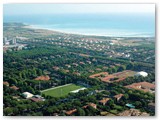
56 87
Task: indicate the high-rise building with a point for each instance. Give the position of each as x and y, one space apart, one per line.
13 41
4 40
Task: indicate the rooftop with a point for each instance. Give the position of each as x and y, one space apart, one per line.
6 83
70 112
104 100
43 78
14 87
118 96
145 86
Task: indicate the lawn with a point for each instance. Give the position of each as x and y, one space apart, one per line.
61 91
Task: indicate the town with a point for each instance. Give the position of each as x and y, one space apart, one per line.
49 73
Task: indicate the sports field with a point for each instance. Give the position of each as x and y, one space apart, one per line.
61 91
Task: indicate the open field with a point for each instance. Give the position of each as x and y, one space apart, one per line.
61 91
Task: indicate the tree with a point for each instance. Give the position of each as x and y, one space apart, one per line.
92 110
8 111
138 104
111 103
80 112
49 111
114 69
126 96
121 68
130 66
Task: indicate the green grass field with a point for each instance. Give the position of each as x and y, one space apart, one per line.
61 91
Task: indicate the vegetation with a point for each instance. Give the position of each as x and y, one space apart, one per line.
60 91
71 59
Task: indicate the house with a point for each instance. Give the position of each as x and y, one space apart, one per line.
91 104
34 99
67 65
6 83
70 112
43 78
56 68
75 64
27 95
104 101
14 87
89 62
77 73
144 86
118 97
82 63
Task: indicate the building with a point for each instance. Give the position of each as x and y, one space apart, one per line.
14 87
4 40
144 86
13 41
76 91
142 73
6 83
91 105
118 97
45 78
70 112
36 99
104 101
27 95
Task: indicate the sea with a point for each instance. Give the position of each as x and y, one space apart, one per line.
113 25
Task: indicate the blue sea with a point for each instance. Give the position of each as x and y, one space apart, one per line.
115 25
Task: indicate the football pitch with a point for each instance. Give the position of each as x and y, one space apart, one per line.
61 91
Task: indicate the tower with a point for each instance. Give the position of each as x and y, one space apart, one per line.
14 41
4 40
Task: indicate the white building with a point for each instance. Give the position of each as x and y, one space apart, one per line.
142 73
76 91
27 95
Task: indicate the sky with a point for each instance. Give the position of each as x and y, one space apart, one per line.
31 9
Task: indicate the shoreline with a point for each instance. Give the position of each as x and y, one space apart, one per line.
89 35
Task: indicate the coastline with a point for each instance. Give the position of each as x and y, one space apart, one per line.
83 34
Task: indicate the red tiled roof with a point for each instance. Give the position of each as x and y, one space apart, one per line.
70 112
6 83
35 99
43 78
14 87
93 105
145 86
90 104
104 100
118 96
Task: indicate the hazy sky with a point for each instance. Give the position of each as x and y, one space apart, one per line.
18 9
